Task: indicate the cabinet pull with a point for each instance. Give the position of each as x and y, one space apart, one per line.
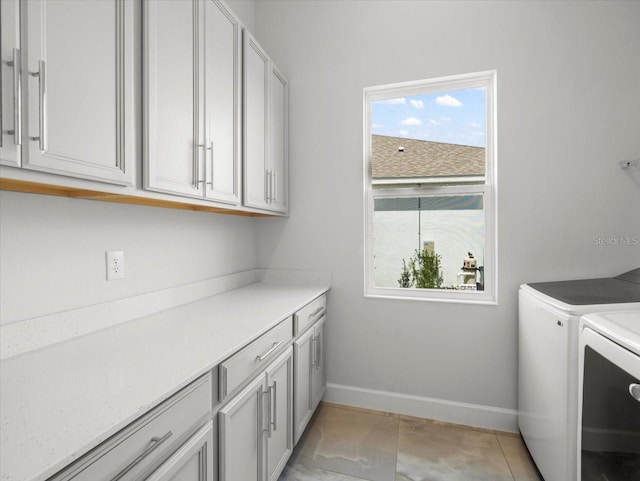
275 346
319 352
17 106
269 186
210 148
316 312
42 102
275 186
154 444
275 405
314 351
268 428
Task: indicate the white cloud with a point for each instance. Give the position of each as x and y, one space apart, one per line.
440 121
397 101
411 121
418 104
403 133
376 126
475 125
448 101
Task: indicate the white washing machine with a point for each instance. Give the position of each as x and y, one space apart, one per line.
609 397
549 314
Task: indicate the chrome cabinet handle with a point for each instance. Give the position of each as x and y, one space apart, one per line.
154 444
314 313
42 102
275 186
268 394
634 390
314 351
269 186
210 148
275 346
17 106
196 166
319 351
275 405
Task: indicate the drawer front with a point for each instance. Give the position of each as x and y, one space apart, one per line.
235 370
309 314
148 441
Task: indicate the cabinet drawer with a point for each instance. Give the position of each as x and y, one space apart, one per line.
235 370
309 314
146 443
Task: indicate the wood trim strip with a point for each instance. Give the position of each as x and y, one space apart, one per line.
75 193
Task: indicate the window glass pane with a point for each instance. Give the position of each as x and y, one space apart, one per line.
449 228
429 138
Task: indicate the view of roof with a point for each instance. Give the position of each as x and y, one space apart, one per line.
399 157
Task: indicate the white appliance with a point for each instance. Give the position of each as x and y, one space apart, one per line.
609 397
549 314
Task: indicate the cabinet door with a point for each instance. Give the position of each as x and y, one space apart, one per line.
10 83
241 435
173 125
278 140
319 378
193 461
302 402
222 103
79 89
256 97
280 415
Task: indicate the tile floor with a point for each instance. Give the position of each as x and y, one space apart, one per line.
350 444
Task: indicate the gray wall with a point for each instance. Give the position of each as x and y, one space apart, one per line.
52 251
568 111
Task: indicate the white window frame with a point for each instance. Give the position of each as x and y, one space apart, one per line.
488 190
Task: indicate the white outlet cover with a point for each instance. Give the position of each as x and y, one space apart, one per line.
115 265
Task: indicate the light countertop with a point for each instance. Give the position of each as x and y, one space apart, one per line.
58 402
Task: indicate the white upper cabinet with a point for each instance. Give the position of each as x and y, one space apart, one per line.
222 104
265 130
173 121
191 101
278 140
77 78
10 103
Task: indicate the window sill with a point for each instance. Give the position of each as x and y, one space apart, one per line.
432 295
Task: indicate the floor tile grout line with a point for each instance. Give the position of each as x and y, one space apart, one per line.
332 472
506 459
395 476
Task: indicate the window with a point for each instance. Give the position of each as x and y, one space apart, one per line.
430 189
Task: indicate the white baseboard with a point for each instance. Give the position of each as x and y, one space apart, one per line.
487 417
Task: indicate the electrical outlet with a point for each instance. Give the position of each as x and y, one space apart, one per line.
115 265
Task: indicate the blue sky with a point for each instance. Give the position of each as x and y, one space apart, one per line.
454 117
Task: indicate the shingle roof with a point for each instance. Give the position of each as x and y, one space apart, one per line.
422 158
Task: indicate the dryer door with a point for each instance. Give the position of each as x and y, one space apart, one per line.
610 425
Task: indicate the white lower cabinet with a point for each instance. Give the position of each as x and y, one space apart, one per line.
310 381
193 461
153 440
255 426
268 391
